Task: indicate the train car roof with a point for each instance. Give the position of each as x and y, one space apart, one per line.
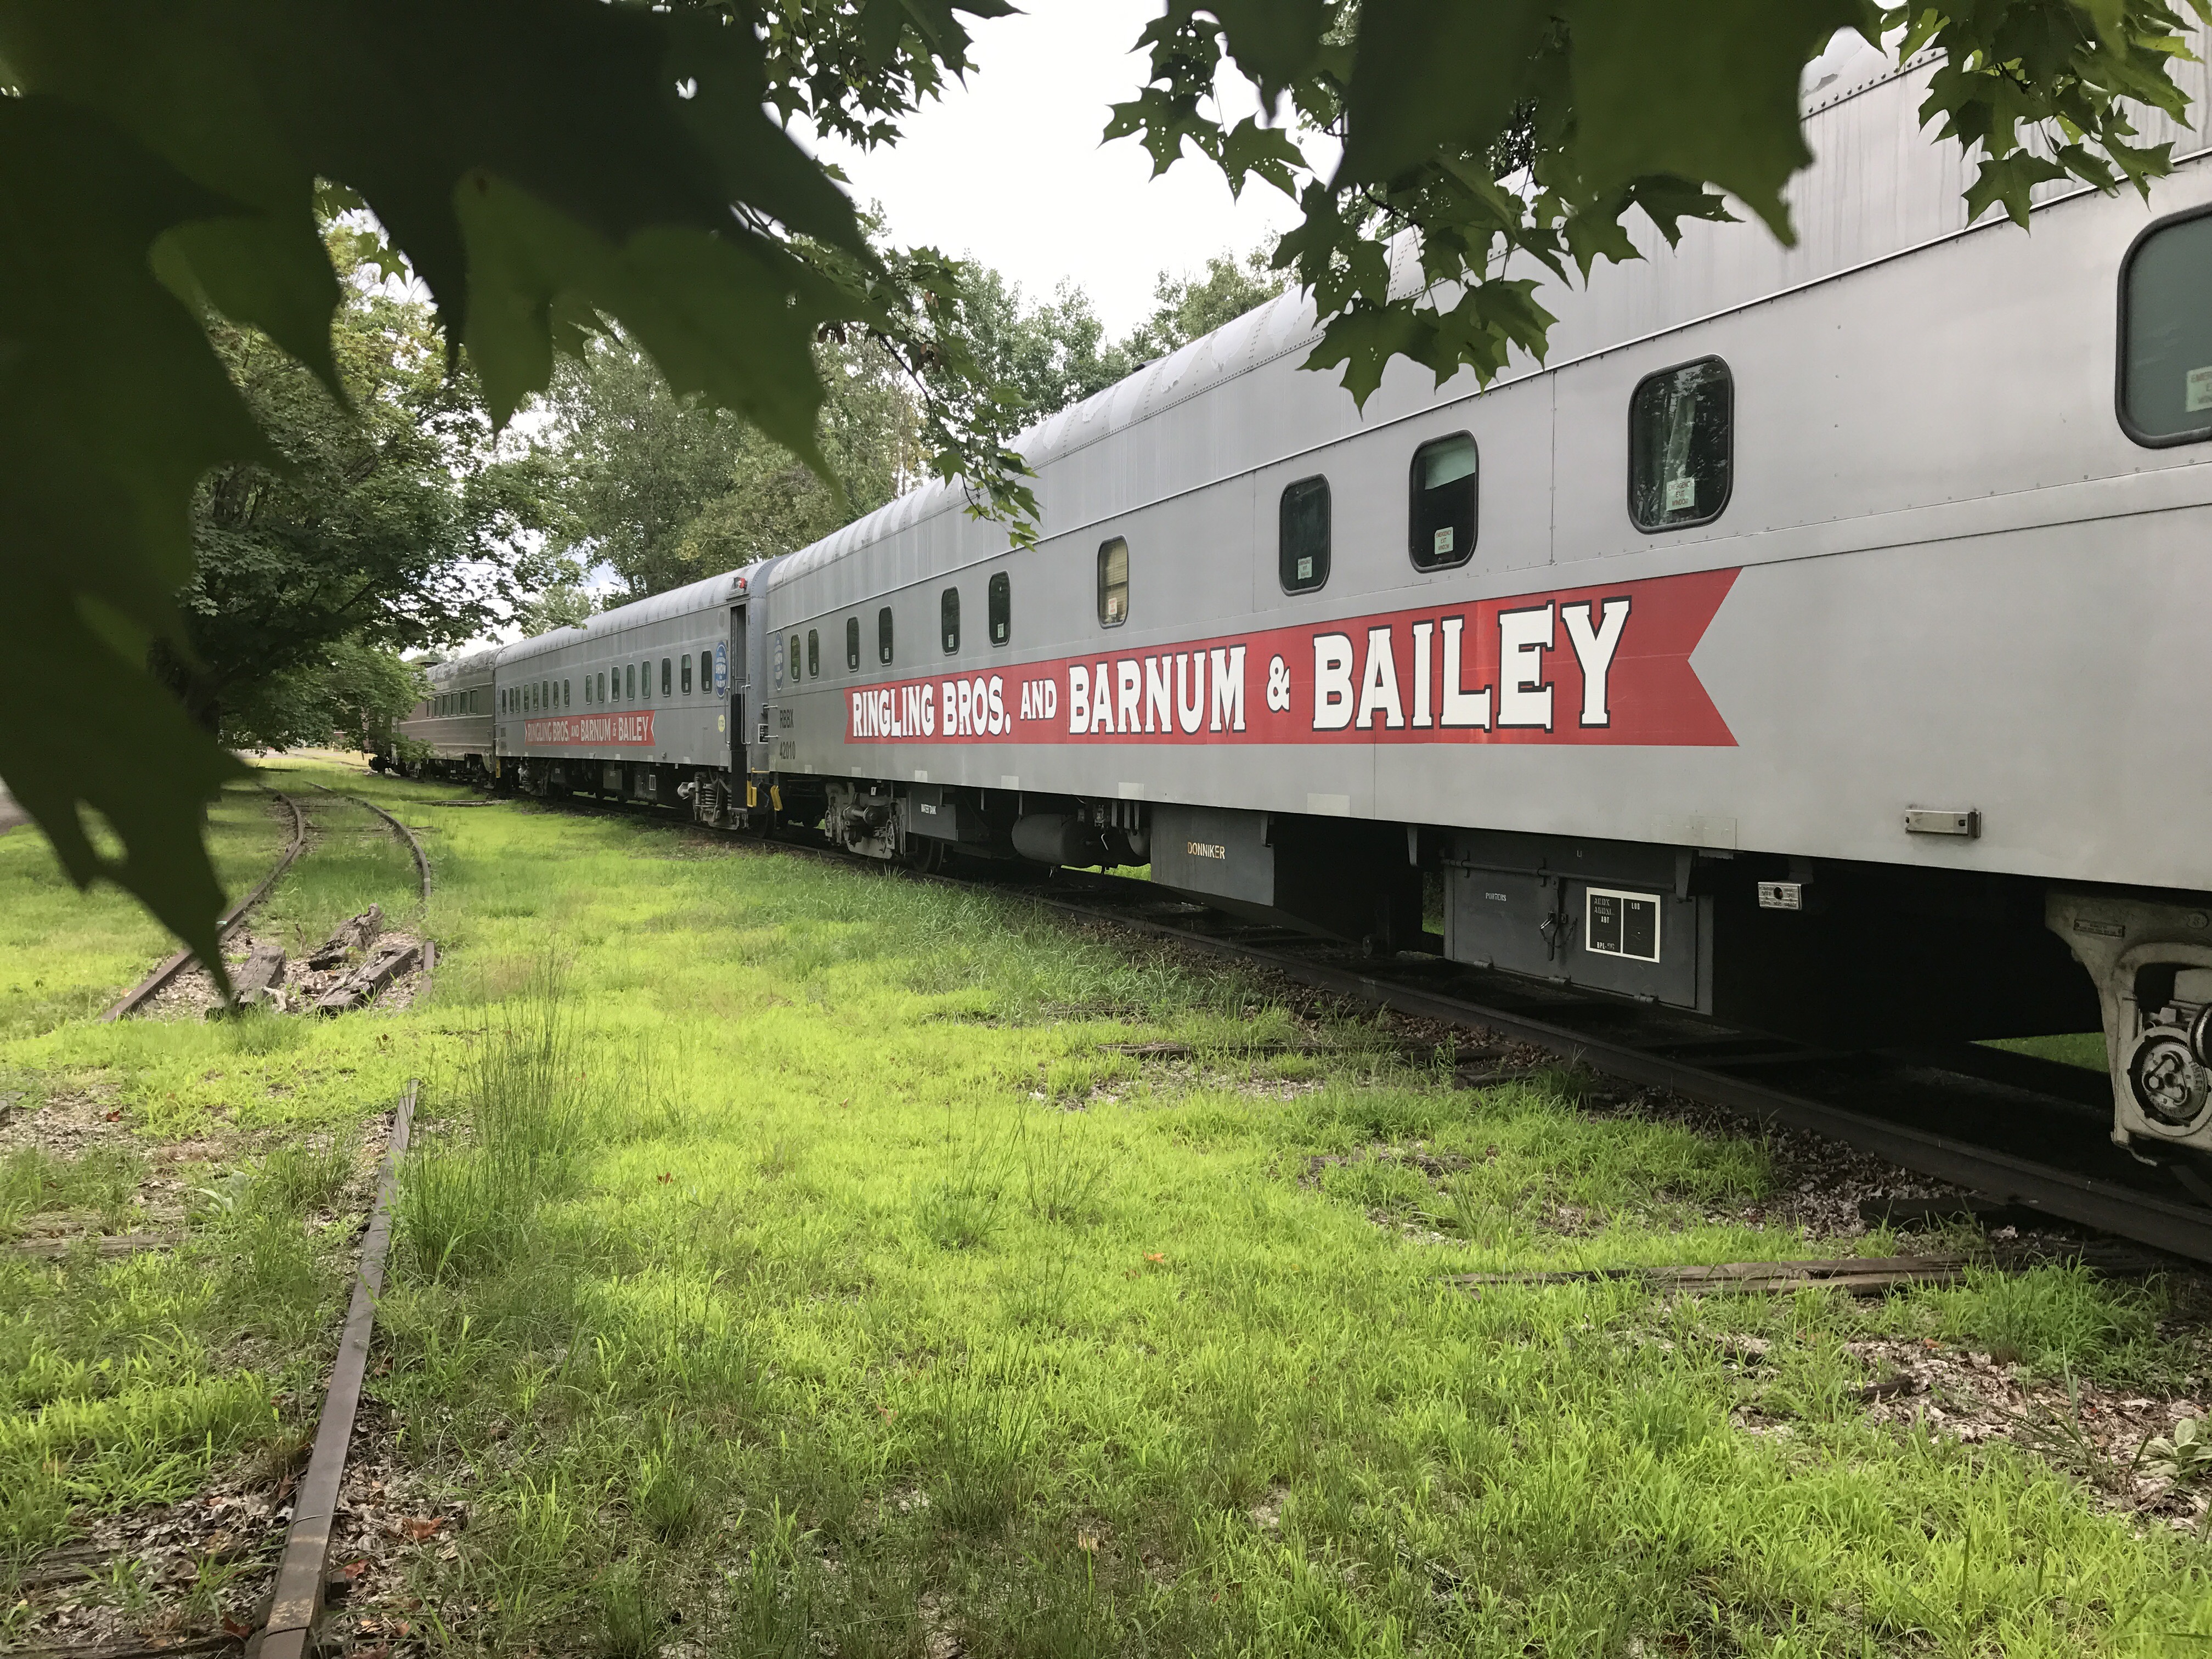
1881 183
477 662
708 593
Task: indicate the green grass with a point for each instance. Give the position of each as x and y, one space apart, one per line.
65 954
2081 1049
783 1255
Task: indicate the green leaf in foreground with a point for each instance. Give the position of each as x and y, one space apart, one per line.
111 408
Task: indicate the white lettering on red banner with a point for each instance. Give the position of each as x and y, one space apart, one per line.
590 730
1608 665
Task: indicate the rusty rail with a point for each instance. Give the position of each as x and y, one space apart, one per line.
137 996
298 1600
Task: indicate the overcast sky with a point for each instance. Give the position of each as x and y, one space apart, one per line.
1009 169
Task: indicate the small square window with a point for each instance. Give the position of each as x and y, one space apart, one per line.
1680 443
1112 583
813 654
852 645
2166 333
1443 518
1302 536
884 635
999 603
948 619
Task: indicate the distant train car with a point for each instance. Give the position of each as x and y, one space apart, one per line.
644 702
1804 645
454 724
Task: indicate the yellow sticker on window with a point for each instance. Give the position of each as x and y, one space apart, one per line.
2200 389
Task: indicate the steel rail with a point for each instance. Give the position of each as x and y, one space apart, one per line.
298 1598
414 846
421 865
136 997
2064 1194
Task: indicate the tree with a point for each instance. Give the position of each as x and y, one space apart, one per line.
564 603
390 525
1049 354
1534 127
1188 306
345 688
547 169
667 489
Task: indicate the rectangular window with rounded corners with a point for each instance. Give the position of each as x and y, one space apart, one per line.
603 688
1302 536
813 654
1446 487
998 602
706 672
884 635
795 659
685 684
568 694
948 619
852 645
2165 393
1681 446
1112 583
629 681
666 687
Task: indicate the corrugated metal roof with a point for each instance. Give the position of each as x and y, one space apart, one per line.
707 594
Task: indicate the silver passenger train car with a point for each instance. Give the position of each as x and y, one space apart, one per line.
451 730
1809 643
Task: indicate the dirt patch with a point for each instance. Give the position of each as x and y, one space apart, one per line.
2117 1443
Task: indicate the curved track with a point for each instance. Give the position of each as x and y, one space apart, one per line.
137 996
2016 1129
414 846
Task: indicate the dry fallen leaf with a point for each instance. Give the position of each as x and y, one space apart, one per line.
666 1177
1161 1256
420 1529
353 1568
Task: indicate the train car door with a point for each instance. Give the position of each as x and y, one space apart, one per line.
731 680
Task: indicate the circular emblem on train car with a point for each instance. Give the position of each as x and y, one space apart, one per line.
721 668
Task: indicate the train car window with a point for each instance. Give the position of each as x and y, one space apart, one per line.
853 645
884 635
706 672
1681 445
629 681
1112 583
1302 536
795 659
1446 489
813 654
686 687
2165 393
1000 603
667 679
948 619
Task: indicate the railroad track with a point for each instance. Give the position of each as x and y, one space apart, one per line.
2018 1130
143 992
297 1598
2023 1131
407 836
